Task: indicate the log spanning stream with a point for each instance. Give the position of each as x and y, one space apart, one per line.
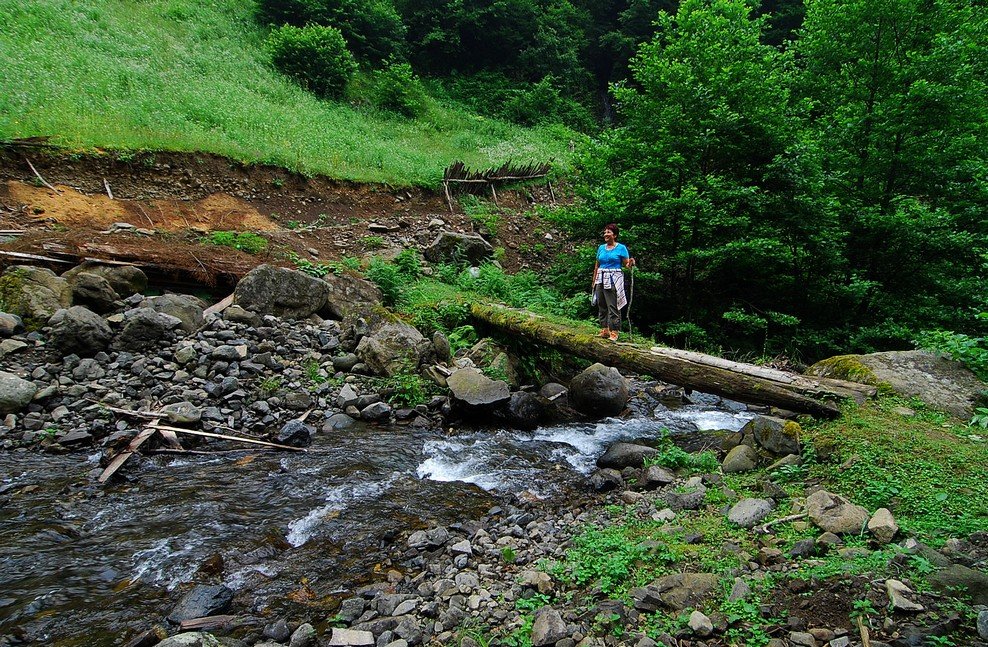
82 564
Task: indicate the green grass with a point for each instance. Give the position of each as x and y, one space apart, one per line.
187 76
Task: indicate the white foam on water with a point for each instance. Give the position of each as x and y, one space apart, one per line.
240 578
164 563
461 461
338 498
709 420
588 442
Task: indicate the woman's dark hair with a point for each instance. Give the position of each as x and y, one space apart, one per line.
613 227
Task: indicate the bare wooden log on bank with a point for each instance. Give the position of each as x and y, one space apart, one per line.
667 367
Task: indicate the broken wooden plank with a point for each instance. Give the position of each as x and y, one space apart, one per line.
219 306
21 256
206 623
106 184
207 434
41 179
122 457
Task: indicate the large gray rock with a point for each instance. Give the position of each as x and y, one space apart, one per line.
968 581
10 324
452 247
774 434
33 292
599 391
473 389
740 459
621 455
748 512
350 296
94 292
547 628
676 592
200 602
186 309
15 393
281 292
525 410
191 639
393 347
833 513
144 327
882 526
78 330
935 379
125 280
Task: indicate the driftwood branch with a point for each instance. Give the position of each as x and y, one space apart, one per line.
763 529
41 179
207 434
106 185
122 457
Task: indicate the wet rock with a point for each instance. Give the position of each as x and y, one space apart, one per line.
833 513
547 628
472 388
187 309
740 459
452 247
970 582
281 292
277 631
882 526
200 602
605 480
376 412
295 433
748 512
78 330
350 638
337 422
15 393
621 455
983 624
525 410
599 391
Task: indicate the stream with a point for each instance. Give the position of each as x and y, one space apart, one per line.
82 564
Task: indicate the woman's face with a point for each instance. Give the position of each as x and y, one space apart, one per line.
609 237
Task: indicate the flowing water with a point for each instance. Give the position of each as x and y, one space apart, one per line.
84 565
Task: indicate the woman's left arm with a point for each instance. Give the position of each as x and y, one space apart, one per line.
629 260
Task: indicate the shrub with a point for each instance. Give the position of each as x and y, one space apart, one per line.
397 88
388 279
245 241
409 264
315 56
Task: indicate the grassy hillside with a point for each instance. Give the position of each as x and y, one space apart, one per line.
193 76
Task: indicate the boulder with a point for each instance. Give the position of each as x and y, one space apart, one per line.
748 512
200 602
677 591
548 627
472 390
78 330
833 513
701 624
186 309
281 292
144 327
125 280
350 297
525 410
350 638
191 639
393 347
621 455
934 378
898 600
15 393
34 293
774 434
599 391
94 292
969 582
882 526
740 459
456 248
655 476
10 324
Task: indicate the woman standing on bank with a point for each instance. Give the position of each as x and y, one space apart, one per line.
608 282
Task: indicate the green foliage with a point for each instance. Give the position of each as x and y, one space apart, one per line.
532 603
980 418
484 212
315 56
672 457
245 241
314 373
462 337
409 264
972 351
373 241
388 279
396 87
408 389
270 385
509 555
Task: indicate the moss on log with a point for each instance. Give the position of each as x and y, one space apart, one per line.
702 377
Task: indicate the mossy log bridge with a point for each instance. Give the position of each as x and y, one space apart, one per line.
744 382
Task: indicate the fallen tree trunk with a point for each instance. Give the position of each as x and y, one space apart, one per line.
719 380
